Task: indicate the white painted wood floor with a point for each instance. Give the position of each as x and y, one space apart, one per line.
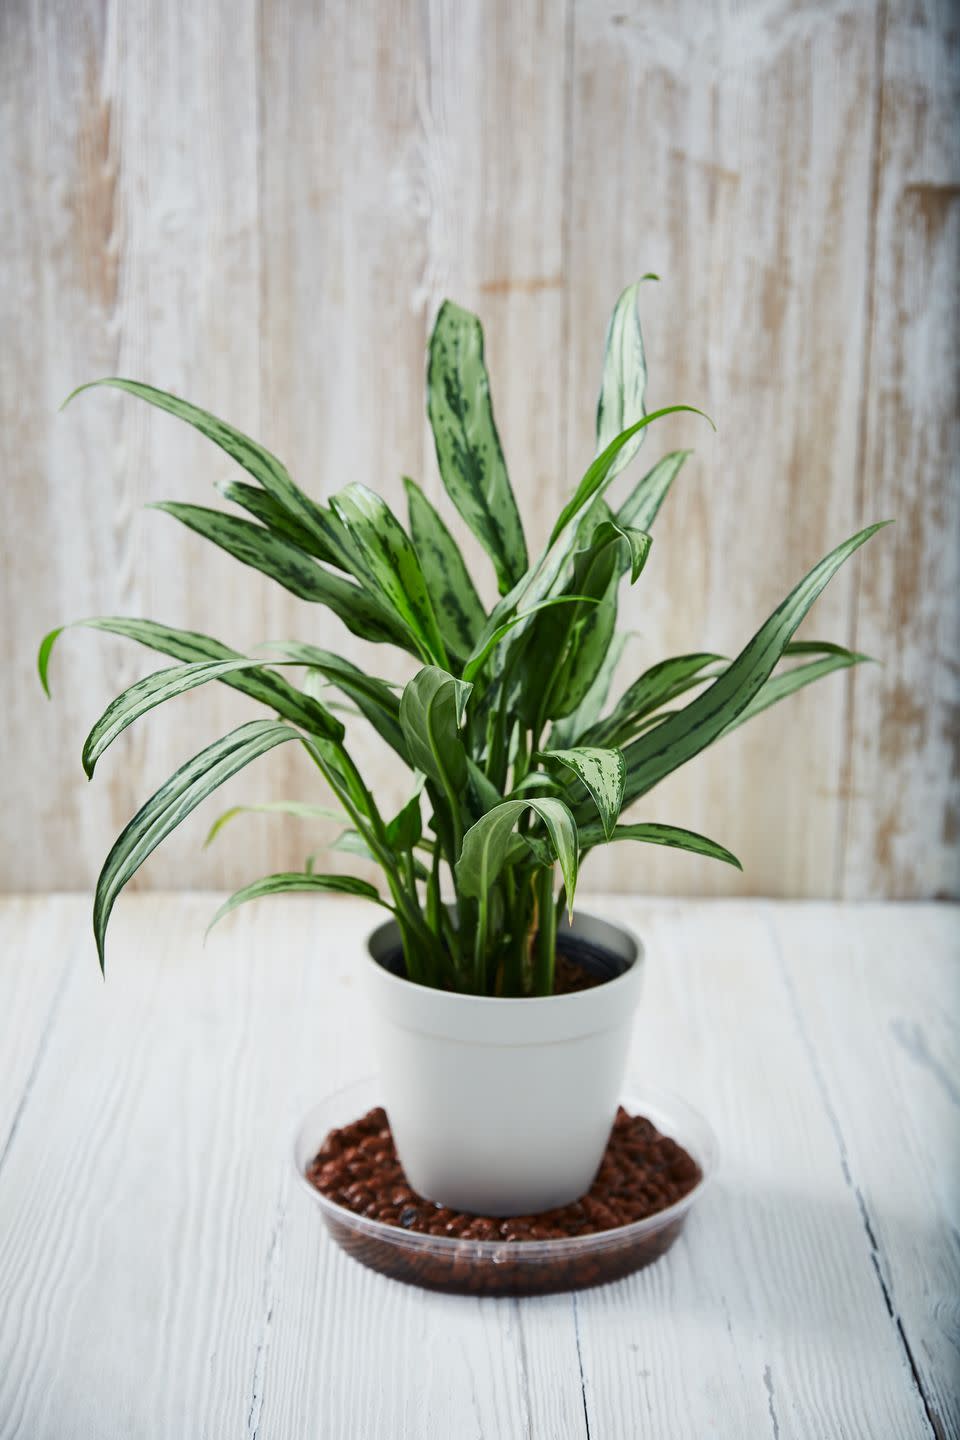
160 1275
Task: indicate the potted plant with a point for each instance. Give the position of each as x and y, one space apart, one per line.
500 1091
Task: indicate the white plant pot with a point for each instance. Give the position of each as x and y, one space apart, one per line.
503 1106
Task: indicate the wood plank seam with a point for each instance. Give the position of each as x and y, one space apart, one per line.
860 476
877 1257
583 1379
569 65
271 1271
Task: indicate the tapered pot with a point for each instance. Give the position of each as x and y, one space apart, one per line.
505 1106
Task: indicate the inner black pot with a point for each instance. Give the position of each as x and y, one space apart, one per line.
596 959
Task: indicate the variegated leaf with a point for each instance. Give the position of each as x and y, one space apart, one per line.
292 568
374 698
642 505
469 453
289 882
278 519
624 379
456 604
654 834
270 472
598 475
164 685
778 687
172 803
390 566
574 727
667 746
657 686
188 645
604 774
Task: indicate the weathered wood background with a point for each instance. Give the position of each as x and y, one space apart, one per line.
259 204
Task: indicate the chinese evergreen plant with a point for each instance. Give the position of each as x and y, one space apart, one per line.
518 766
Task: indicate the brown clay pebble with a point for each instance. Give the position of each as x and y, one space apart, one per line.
642 1172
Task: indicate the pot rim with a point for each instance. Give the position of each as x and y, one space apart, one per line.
627 977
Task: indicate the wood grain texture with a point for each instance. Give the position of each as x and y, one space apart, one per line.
260 205
907 1042
161 1275
904 752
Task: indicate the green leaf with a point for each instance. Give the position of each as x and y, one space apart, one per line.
486 844
275 807
564 652
574 726
456 604
164 685
484 793
624 380
469 453
404 831
642 505
351 842
188 645
604 774
699 723
289 881
278 519
488 642
173 802
292 568
390 566
657 686
661 835
598 475
431 708
270 472
778 687
374 698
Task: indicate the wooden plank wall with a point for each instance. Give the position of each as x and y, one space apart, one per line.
260 205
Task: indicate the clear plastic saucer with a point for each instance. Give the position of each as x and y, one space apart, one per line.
507 1267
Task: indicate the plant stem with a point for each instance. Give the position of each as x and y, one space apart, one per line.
545 945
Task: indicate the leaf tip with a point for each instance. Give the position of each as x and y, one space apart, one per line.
43 657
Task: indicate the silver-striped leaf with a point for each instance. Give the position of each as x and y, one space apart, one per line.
291 567
602 772
655 834
288 882
787 682
278 519
624 381
657 686
469 452
390 566
574 727
667 746
189 645
374 698
173 802
270 472
598 475
456 604
642 505
163 685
